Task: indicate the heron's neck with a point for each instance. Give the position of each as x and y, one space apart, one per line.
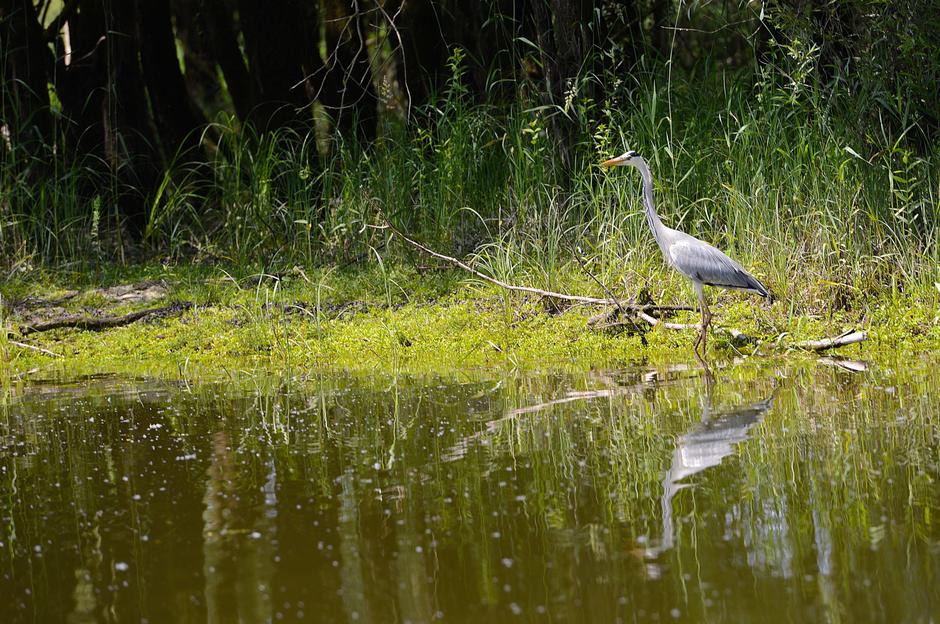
656 225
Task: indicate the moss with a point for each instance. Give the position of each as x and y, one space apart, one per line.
403 320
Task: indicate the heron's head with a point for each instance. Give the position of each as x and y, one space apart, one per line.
627 159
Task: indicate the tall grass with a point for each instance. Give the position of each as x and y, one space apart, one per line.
782 178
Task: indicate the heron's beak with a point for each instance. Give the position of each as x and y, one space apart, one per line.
613 162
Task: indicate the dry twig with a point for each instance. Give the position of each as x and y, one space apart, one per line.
642 311
23 345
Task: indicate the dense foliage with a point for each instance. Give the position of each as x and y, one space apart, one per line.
276 133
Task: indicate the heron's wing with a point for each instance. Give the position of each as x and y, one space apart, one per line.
700 261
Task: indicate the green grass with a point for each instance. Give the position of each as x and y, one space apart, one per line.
391 317
816 207
839 221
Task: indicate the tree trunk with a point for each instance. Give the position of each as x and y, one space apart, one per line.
422 49
25 58
276 41
202 81
81 84
223 41
130 143
568 36
177 120
103 95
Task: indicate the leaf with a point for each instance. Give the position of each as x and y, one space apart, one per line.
853 152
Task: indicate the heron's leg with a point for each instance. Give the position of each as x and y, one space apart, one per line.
706 322
703 307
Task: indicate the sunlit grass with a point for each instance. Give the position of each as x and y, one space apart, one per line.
826 215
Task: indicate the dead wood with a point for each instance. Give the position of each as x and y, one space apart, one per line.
97 323
849 337
625 305
23 345
642 312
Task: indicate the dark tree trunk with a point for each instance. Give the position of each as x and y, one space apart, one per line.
82 84
276 41
130 143
223 41
347 92
177 120
202 81
569 34
25 59
103 95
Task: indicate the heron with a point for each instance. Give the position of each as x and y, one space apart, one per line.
703 264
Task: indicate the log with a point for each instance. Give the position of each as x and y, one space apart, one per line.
97 323
850 337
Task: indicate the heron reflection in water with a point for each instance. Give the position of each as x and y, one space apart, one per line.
702 448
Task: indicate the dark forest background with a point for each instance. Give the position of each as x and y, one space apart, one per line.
149 124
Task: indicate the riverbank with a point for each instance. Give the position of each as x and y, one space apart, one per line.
399 317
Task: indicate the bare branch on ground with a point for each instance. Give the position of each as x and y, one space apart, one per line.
849 337
605 320
98 323
23 345
633 307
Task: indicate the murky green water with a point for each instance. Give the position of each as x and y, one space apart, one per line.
788 493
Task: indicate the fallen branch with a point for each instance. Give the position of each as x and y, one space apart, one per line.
655 321
633 307
850 337
93 323
23 345
642 311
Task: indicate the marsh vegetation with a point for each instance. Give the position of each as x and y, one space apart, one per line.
800 138
229 391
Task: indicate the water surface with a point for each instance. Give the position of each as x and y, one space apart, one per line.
788 492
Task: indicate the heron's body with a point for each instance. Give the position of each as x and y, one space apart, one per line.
702 263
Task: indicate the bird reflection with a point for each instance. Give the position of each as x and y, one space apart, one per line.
703 447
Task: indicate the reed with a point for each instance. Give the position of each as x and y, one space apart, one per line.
819 208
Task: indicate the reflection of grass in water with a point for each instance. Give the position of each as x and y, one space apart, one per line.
466 486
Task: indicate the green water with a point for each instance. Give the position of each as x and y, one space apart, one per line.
782 492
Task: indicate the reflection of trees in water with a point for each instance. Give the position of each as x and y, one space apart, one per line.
237 539
406 500
99 480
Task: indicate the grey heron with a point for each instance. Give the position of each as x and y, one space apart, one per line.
703 264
